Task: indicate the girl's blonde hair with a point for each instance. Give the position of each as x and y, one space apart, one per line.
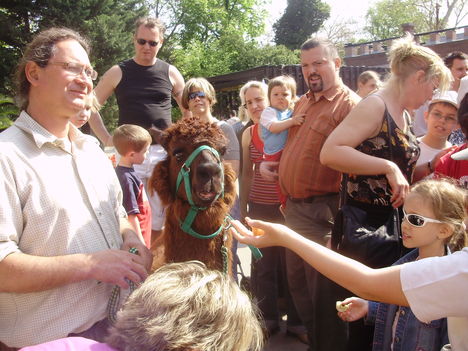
407 57
287 82
365 76
243 115
92 102
449 203
185 306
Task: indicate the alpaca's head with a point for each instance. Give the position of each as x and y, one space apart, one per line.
208 176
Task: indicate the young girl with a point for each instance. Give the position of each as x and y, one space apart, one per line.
434 212
82 117
277 118
434 287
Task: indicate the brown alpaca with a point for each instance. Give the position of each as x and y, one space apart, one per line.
180 140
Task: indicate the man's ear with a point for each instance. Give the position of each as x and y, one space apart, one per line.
337 63
32 71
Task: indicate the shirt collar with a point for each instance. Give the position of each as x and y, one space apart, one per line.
41 135
328 94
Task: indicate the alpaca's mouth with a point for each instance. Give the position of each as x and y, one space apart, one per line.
207 196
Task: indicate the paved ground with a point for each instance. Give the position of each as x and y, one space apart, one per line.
279 341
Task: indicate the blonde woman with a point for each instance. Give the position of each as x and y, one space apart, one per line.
260 199
377 148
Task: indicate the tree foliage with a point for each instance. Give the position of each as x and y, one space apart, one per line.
203 37
386 16
107 23
300 20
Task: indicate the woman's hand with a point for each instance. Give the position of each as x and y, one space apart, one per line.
357 309
272 234
398 184
269 170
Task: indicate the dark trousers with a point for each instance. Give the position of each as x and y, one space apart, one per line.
313 294
269 280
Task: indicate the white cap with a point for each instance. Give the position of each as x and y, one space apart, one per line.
449 97
463 89
460 155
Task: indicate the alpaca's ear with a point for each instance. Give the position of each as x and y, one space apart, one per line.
156 134
164 140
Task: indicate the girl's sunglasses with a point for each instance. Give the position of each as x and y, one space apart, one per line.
417 220
196 94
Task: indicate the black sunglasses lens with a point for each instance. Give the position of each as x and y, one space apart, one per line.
150 42
416 220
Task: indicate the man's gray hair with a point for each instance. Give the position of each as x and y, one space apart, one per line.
185 306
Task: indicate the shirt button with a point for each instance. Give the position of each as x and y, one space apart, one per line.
403 312
397 339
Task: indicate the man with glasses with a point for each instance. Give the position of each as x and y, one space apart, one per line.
143 86
64 241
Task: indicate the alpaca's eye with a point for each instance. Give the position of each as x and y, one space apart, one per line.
179 156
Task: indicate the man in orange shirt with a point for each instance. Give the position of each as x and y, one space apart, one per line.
311 188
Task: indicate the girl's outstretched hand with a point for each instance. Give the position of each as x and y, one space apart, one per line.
263 234
356 309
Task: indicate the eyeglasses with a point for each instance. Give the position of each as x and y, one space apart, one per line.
150 42
77 69
439 116
249 103
417 220
196 94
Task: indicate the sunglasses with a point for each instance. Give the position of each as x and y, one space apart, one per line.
417 220
150 42
196 94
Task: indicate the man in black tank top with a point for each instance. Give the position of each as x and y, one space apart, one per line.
143 86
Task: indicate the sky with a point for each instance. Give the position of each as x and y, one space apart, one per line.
343 9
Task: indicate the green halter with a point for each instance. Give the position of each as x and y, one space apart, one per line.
184 175
186 225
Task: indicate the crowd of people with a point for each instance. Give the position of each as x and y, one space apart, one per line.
74 229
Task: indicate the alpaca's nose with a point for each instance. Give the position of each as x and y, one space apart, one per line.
208 170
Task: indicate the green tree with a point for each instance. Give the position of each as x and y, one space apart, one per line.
106 22
386 16
300 20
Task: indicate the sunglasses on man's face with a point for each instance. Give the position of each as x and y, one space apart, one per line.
150 42
196 94
417 220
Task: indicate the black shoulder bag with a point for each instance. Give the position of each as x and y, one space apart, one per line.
354 237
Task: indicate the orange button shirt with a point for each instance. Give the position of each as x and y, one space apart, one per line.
301 174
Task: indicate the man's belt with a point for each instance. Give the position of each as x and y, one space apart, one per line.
310 199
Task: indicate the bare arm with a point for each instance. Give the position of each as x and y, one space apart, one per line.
372 284
103 90
339 151
178 84
247 172
135 239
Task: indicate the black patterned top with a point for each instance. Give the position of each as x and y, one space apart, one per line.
375 190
